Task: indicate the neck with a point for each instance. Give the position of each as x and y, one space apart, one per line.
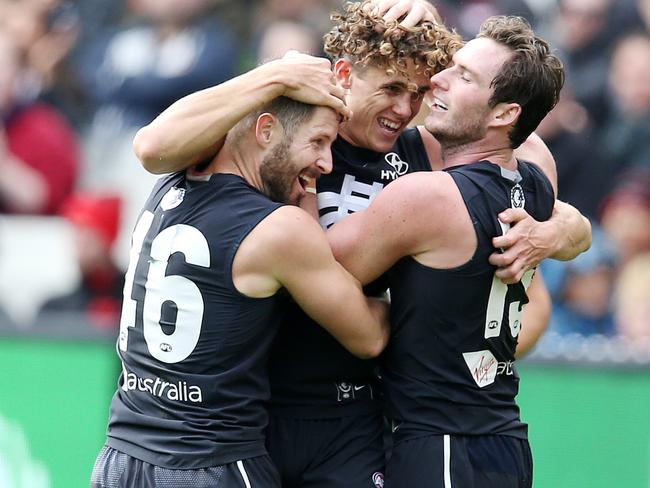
472 152
238 160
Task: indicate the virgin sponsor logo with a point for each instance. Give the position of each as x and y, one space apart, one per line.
176 391
484 367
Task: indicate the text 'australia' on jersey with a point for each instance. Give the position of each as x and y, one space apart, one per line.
449 365
193 348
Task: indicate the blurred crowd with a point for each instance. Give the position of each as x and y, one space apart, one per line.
78 78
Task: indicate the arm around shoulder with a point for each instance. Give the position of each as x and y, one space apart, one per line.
192 129
303 263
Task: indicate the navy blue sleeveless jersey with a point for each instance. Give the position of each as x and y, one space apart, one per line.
449 364
312 375
193 349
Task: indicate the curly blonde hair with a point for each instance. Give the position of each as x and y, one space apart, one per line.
367 40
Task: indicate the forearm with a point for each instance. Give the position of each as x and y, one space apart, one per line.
192 129
571 232
536 316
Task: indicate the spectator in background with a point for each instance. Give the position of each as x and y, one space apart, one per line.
625 139
175 47
467 16
582 289
584 178
46 31
38 149
585 31
281 25
625 215
284 35
95 223
632 300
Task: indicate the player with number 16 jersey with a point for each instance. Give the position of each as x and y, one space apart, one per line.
193 348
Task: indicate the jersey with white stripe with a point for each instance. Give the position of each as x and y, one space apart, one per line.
449 365
311 373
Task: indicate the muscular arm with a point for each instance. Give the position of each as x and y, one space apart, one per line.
565 235
192 129
369 242
288 249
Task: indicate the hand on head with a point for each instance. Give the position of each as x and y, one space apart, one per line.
312 81
411 12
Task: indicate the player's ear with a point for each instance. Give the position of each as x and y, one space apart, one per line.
265 128
343 73
505 114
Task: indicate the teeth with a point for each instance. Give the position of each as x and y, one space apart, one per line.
438 103
389 124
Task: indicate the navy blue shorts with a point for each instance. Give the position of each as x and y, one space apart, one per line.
346 452
114 469
448 461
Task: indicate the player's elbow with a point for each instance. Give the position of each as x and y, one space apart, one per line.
369 349
148 150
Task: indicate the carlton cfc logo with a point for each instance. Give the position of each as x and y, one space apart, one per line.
517 199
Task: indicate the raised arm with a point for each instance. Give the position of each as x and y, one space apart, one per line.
288 249
192 129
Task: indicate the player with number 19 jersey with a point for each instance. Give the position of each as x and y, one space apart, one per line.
193 348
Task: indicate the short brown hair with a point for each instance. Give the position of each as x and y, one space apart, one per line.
366 39
290 113
533 77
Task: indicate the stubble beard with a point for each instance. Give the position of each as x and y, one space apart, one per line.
455 137
276 173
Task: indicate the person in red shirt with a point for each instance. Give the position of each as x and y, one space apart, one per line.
39 155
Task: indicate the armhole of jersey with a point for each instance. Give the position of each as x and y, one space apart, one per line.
474 218
545 182
413 139
235 247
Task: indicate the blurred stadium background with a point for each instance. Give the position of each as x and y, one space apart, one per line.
77 78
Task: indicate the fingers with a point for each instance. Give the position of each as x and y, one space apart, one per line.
500 260
413 11
417 15
513 215
505 241
396 11
509 276
380 7
340 106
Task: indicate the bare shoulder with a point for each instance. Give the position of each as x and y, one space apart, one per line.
419 187
419 202
286 230
286 241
